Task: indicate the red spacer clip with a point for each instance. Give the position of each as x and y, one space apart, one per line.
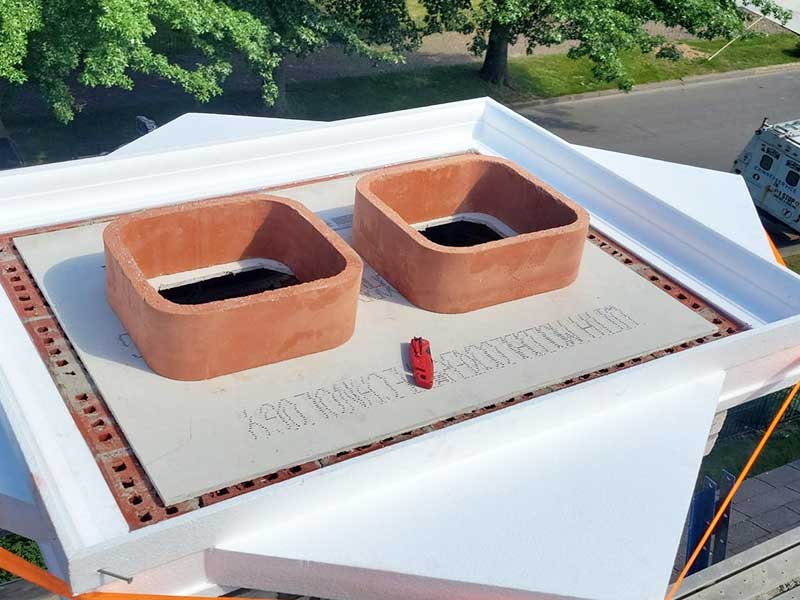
419 352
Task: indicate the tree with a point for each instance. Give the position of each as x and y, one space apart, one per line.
378 29
602 28
56 44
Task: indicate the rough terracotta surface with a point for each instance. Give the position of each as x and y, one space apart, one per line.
200 341
545 255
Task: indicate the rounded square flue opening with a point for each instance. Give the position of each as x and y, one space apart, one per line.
473 187
461 233
223 285
228 250
222 282
463 230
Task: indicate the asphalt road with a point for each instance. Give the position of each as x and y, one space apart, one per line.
705 124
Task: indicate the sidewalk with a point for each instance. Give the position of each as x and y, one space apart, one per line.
764 507
22 590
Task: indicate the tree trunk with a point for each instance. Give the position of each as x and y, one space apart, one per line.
5 95
495 63
281 106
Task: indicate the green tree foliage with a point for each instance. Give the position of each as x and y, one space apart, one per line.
378 29
23 548
57 44
602 28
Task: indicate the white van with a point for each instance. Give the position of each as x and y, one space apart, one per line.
770 164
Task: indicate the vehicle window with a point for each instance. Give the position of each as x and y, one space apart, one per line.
766 162
792 177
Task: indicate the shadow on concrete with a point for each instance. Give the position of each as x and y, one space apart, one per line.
557 118
77 287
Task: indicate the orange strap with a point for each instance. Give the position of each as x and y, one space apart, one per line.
30 572
775 253
33 574
41 578
113 596
729 498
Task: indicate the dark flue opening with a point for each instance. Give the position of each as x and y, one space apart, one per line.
229 285
461 234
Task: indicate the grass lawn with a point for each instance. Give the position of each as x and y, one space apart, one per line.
532 77
107 120
793 262
731 454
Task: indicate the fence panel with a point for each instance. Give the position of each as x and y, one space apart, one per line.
755 415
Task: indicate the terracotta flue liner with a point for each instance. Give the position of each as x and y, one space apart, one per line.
132 489
544 254
200 341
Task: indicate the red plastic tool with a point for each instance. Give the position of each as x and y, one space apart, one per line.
421 362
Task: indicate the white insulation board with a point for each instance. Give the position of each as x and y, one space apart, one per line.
593 509
195 437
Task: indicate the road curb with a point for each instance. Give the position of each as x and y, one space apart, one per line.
660 85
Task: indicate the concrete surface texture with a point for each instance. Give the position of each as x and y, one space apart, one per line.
544 255
702 124
611 480
425 454
208 339
353 394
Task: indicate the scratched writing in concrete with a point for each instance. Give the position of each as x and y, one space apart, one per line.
385 386
375 287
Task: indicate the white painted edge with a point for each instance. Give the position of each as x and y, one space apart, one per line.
191 130
209 128
774 346
75 496
164 282
377 566
68 482
490 221
116 185
185 576
740 282
719 200
19 509
729 276
174 137
338 581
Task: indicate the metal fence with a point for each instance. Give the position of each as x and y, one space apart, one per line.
756 415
